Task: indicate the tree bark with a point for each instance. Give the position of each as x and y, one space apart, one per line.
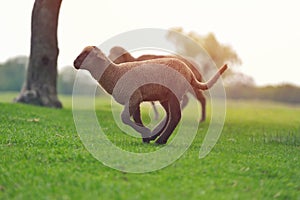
40 84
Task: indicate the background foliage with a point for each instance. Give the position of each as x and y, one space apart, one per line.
238 86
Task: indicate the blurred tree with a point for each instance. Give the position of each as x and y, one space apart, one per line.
40 83
238 78
187 44
12 74
286 93
66 79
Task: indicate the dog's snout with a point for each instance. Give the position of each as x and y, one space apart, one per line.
77 64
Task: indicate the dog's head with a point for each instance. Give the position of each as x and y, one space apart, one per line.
90 56
82 56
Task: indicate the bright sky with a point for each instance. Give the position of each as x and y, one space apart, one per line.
265 34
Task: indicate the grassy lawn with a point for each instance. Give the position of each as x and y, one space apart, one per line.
256 157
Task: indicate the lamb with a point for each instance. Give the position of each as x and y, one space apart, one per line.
120 55
108 74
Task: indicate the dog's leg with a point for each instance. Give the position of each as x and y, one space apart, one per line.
184 101
156 115
161 126
201 98
174 118
137 118
130 109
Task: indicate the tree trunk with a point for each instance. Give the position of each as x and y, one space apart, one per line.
40 84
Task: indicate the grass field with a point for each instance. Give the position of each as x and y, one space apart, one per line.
256 157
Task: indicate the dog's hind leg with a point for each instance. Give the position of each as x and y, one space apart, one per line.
173 120
161 126
133 109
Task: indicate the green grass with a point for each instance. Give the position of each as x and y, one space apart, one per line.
257 157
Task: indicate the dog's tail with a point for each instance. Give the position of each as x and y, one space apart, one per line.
205 86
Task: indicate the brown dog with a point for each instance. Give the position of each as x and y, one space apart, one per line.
108 74
120 55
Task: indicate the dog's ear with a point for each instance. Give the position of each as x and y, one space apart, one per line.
117 50
118 53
